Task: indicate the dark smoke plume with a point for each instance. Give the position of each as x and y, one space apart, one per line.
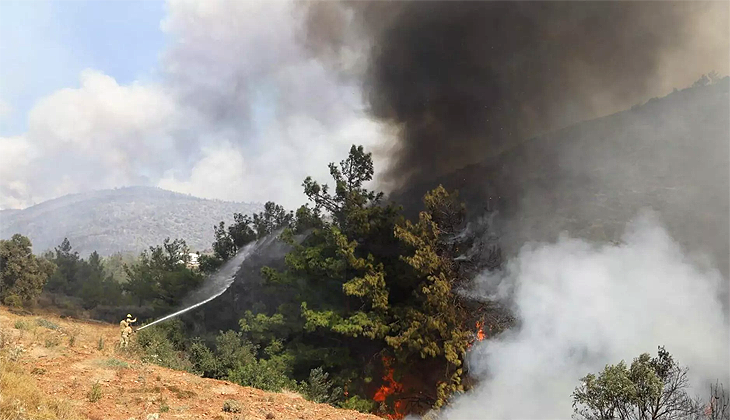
464 81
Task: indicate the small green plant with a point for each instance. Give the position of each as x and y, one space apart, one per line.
231 406
21 325
164 408
100 344
72 341
94 394
47 324
38 371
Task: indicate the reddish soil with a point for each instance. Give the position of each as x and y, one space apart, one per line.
131 389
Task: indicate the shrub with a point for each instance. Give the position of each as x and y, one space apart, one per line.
320 389
14 301
204 360
52 341
100 344
358 404
261 374
16 352
158 349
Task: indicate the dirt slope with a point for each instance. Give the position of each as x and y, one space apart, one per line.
63 357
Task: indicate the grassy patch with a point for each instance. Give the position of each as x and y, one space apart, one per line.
94 393
47 324
4 339
23 399
181 393
144 389
100 344
22 325
115 363
38 371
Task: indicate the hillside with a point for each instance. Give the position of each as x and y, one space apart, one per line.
50 366
670 155
120 220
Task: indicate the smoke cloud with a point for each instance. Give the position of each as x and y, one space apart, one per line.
236 101
462 81
581 306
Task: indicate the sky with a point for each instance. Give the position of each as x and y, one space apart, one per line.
119 38
219 99
216 99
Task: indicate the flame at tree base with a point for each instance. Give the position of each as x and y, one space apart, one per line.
390 387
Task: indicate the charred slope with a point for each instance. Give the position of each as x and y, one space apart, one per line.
670 155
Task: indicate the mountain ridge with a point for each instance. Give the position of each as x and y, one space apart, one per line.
121 220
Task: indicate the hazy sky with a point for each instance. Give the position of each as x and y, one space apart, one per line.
217 99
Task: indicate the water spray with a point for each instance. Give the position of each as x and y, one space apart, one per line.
221 280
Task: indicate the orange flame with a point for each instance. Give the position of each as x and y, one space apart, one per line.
390 387
480 331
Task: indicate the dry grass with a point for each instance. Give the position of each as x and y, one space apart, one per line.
21 398
57 382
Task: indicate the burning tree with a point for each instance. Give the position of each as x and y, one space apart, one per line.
375 295
437 322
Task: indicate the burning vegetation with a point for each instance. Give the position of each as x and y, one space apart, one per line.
389 391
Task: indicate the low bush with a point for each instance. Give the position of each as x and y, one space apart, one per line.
47 324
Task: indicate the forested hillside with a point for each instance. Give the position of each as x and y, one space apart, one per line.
121 220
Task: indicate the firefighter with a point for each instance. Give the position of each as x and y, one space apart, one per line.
126 330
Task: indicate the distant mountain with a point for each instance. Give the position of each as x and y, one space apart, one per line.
671 155
121 220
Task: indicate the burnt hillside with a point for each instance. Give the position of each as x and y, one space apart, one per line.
670 155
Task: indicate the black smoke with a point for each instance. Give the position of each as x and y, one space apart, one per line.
463 81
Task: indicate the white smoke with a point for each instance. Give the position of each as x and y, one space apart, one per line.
237 99
581 306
